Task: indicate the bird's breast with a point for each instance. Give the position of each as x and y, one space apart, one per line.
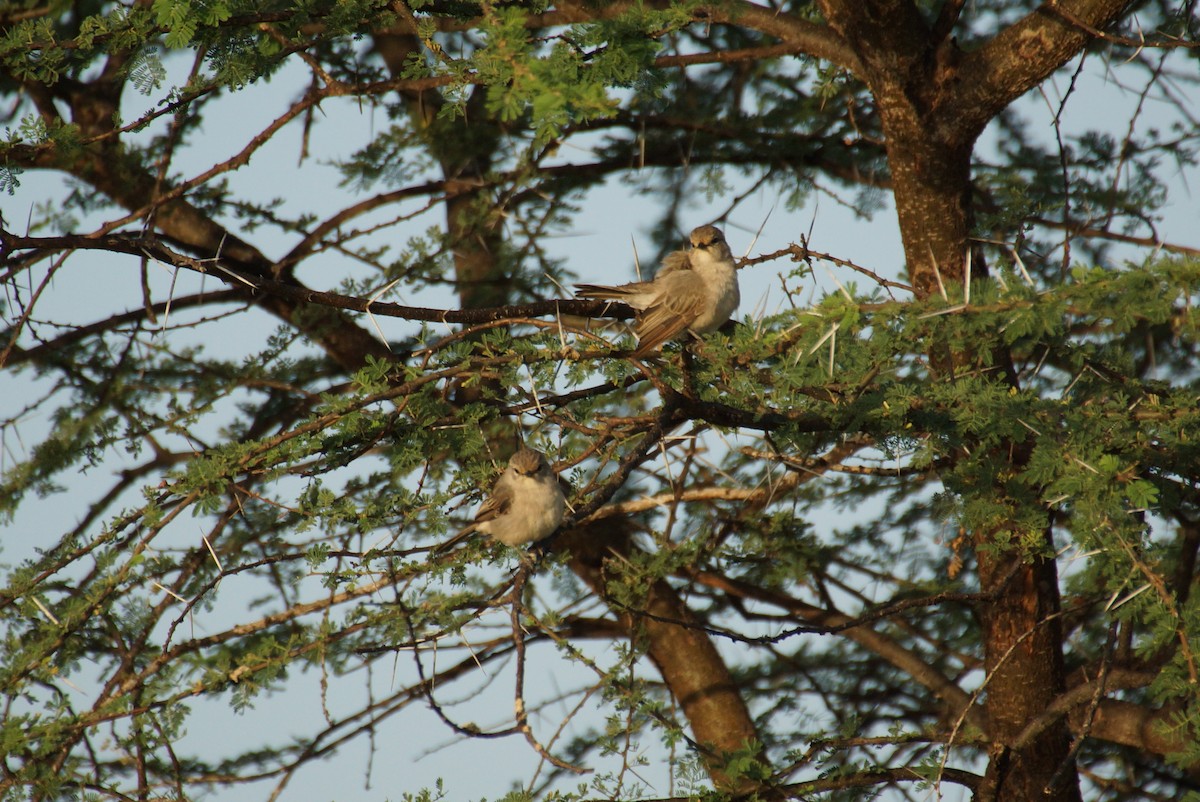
721 282
537 510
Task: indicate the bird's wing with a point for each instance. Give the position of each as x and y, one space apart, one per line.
495 505
680 301
674 261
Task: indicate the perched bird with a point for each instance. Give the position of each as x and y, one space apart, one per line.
526 504
695 290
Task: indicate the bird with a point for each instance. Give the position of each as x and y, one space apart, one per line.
527 503
695 290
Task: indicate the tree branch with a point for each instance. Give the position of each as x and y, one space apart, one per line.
1025 53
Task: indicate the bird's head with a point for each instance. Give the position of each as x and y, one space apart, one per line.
527 462
707 236
710 241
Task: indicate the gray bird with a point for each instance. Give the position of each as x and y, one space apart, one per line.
526 504
695 290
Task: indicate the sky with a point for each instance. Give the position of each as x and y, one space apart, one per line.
599 249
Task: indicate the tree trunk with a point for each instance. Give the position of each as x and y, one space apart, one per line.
1024 662
913 70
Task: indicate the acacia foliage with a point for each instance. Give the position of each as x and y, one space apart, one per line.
801 551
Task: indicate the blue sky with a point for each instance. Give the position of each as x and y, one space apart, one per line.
599 249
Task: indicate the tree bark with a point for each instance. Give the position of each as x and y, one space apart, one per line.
1025 674
932 110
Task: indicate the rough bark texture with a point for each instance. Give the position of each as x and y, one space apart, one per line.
934 101
1025 674
912 77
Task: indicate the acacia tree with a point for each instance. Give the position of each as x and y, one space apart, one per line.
1012 423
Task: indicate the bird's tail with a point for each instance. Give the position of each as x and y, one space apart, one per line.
442 548
600 292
